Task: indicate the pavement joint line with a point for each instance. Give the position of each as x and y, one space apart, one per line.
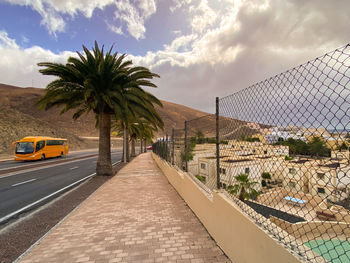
7 217
55 226
47 166
28 181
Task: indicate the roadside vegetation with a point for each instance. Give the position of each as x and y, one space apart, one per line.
108 85
316 147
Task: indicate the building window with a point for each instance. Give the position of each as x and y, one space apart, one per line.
292 171
222 170
265 152
242 147
254 151
246 170
321 190
203 166
320 176
224 185
292 184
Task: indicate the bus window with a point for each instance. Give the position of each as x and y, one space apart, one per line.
24 147
39 145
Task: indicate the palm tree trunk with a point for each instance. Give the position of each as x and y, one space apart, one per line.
127 146
142 145
242 194
104 162
145 147
133 152
124 146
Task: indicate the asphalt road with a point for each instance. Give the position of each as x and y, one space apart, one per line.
72 155
27 187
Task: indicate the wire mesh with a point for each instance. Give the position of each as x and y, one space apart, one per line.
287 160
201 145
284 155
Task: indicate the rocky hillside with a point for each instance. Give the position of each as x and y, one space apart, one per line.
15 125
23 100
20 117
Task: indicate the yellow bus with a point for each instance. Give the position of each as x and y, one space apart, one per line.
36 148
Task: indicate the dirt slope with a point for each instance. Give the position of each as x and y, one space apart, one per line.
20 117
15 125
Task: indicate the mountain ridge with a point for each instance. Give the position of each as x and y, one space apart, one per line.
20 116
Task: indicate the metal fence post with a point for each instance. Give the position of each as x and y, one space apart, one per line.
186 153
166 148
173 147
217 144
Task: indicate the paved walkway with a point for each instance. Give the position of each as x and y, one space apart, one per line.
135 217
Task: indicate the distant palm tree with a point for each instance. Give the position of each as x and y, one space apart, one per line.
138 104
244 188
138 127
98 82
144 130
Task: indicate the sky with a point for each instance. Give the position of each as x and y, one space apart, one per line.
202 49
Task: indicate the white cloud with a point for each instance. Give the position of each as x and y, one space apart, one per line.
132 13
241 42
6 42
247 42
204 16
19 66
134 17
116 29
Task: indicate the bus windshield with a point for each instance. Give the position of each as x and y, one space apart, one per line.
24 147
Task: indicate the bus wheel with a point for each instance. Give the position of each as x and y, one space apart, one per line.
43 157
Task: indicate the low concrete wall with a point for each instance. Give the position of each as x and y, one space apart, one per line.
237 235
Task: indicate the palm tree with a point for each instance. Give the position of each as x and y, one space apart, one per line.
244 188
94 82
138 126
138 104
147 134
143 130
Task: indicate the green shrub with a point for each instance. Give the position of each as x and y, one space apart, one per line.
266 175
201 178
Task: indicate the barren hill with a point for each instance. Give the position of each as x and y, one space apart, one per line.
20 117
15 125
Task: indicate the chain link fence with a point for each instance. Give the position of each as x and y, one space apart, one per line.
280 150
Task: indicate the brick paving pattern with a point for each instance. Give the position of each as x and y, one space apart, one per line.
135 217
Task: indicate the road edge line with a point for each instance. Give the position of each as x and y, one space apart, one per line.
18 211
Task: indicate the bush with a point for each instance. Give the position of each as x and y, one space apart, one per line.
201 178
266 175
316 147
288 158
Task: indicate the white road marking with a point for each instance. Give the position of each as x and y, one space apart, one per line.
53 160
73 168
31 180
47 166
46 197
